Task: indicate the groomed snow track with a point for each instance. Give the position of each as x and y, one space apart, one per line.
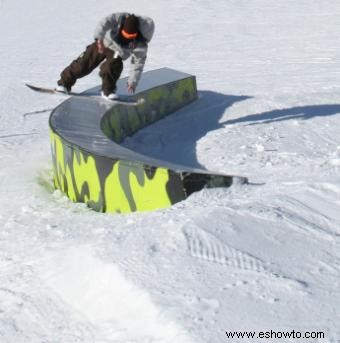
91 166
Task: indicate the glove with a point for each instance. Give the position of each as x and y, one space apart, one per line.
131 88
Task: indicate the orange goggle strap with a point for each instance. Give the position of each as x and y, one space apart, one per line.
129 35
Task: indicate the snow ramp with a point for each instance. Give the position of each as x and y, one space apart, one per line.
91 166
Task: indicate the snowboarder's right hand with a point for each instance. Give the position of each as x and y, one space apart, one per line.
131 88
100 46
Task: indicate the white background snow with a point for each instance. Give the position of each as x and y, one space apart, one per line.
248 258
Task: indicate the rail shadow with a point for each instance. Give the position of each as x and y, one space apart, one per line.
300 112
174 138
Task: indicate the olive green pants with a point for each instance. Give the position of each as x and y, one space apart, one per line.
110 70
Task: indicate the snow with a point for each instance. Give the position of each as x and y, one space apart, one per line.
256 257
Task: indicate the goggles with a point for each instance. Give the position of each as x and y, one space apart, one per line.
127 35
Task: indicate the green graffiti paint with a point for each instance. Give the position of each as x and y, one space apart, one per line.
122 121
110 184
124 187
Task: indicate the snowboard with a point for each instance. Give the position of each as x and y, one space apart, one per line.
123 99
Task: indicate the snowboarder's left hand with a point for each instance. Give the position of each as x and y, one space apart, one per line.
131 88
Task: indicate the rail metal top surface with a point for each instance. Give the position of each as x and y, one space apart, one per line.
77 121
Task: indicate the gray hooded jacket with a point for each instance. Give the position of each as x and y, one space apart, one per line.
108 30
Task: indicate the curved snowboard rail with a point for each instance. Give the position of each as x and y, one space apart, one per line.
91 166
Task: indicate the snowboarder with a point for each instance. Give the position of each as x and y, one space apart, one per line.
117 37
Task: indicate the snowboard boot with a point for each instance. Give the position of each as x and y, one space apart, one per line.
62 89
111 96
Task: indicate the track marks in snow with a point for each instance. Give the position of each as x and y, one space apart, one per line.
36 112
15 135
306 215
303 224
204 245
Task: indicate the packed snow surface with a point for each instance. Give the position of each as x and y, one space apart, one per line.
256 257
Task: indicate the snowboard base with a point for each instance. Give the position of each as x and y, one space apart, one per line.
120 100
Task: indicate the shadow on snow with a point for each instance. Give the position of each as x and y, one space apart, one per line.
300 112
174 138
